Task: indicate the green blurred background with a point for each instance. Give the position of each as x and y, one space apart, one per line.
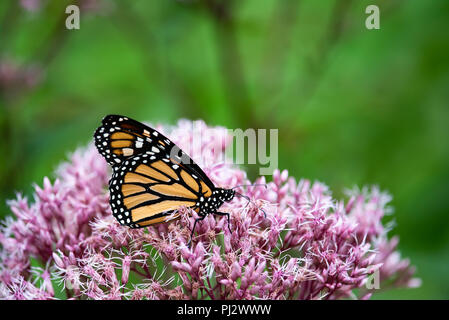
353 106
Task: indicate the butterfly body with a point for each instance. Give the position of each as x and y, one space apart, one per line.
152 177
212 203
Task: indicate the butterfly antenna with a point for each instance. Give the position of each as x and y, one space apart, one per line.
238 194
246 197
249 200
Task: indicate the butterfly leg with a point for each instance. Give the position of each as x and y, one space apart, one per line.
264 213
193 229
227 215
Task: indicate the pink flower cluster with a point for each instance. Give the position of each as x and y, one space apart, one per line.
292 240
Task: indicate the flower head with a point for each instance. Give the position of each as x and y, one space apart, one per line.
292 240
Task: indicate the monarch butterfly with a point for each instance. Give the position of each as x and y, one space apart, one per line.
152 177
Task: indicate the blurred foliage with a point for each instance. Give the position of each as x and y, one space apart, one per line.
353 106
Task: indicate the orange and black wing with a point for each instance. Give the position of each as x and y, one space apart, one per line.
120 138
148 189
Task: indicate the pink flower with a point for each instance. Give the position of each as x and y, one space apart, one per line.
95 6
16 78
291 241
31 5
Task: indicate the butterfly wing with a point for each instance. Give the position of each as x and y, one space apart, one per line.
148 189
152 176
119 138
